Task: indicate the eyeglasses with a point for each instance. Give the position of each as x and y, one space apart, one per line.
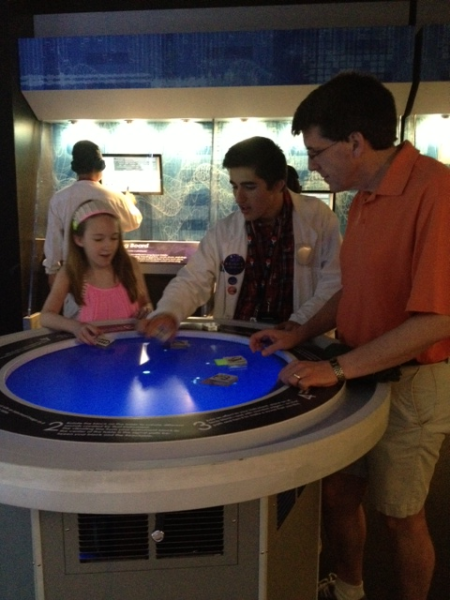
313 154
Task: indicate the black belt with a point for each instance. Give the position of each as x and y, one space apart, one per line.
411 363
415 363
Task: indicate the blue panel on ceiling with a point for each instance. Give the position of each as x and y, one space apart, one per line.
436 53
221 59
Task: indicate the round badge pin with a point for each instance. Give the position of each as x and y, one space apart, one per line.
234 264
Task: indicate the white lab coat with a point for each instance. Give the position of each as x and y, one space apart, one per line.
316 265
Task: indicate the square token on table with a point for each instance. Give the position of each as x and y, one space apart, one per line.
222 379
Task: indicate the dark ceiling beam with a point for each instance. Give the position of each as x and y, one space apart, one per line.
42 7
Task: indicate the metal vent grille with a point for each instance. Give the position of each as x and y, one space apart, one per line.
285 503
197 532
112 537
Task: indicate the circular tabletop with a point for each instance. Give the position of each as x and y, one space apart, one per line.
196 423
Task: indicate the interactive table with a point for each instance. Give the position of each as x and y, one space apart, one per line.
139 427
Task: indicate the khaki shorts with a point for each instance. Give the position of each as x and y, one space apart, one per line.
400 467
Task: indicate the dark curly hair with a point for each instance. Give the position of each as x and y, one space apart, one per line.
260 154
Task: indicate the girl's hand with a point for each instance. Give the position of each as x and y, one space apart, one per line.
87 333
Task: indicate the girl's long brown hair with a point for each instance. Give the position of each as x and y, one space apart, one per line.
77 265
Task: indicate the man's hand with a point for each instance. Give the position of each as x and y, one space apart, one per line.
307 374
269 341
287 325
164 327
144 311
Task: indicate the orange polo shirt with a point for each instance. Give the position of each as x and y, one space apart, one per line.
395 258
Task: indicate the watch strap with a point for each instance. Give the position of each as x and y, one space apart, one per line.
337 370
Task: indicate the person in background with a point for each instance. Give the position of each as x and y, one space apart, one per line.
393 312
88 164
105 281
274 260
293 180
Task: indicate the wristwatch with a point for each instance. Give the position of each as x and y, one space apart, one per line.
337 370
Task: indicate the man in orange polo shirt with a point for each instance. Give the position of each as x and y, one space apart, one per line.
393 311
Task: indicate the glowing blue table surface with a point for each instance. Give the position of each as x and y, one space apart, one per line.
136 377
188 453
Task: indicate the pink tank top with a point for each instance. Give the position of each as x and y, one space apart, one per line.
106 304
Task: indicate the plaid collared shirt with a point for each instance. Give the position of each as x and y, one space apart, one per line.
266 293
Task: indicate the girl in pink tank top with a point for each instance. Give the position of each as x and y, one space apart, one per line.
104 280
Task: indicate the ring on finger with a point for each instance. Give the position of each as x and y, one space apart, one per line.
296 376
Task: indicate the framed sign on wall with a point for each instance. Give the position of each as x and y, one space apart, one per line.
135 173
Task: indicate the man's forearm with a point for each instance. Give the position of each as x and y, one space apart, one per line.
396 346
324 320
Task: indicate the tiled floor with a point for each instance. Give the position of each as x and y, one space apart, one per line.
379 582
